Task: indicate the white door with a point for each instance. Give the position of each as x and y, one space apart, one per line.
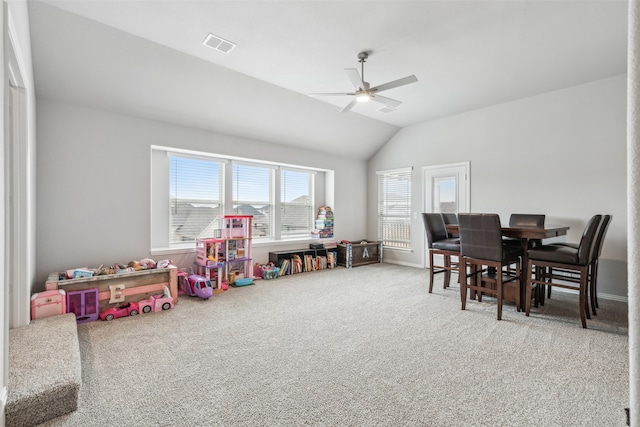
446 190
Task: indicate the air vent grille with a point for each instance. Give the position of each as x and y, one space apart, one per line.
387 109
218 43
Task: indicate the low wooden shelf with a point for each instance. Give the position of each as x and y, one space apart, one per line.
135 286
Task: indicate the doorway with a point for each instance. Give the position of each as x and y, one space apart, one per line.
446 190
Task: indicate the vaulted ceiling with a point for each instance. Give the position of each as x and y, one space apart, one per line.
146 58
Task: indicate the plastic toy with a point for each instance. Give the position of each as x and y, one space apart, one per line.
199 286
157 302
120 310
183 282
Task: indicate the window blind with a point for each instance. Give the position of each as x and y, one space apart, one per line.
194 198
394 208
253 195
296 203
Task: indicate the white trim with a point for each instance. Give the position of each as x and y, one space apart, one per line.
405 264
608 297
399 170
16 133
255 164
196 156
4 395
185 152
612 297
394 249
19 79
467 197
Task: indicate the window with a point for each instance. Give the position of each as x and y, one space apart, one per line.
394 208
253 195
195 198
190 191
296 203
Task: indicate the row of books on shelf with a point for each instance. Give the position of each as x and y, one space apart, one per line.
299 264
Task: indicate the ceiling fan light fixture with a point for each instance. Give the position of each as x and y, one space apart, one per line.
363 97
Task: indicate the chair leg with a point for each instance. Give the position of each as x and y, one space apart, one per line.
447 271
430 272
499 292
518 286
463 285
584 310
527 299
593 277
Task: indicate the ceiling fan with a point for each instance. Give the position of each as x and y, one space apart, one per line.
364 92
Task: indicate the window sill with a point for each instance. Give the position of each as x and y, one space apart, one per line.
172 251
255 243
393 249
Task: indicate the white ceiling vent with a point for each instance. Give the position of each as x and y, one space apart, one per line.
387 109
218 43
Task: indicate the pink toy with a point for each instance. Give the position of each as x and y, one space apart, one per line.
199 286
48 303
183 282
124 310
157 302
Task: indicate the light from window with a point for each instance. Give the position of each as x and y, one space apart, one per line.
394 208
194 198
296 203
253 195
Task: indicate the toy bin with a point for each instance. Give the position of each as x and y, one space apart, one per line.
48 303
271 274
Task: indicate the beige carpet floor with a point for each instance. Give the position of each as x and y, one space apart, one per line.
361 347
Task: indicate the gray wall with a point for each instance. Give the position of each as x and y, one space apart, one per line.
93 187
561 153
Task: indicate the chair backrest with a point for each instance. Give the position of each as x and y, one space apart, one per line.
585 250
602 231
434 227
450 218
526 220
480 236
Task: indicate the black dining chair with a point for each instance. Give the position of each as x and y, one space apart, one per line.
485 256
439 243
555 260
525 220
528 220
450 218
595 256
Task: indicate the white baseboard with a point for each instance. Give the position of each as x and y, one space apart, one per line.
613 297
406 264
3 404
610 297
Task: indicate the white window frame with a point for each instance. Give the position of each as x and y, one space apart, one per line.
311 198
160 187
401 220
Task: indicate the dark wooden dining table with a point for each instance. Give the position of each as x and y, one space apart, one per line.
525 234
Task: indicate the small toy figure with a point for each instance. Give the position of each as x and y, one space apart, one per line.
199 286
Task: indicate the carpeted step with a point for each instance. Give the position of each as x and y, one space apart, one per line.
44 370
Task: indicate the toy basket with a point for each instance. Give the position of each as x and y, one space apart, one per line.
271 274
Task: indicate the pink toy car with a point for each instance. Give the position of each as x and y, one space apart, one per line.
157 302
120 310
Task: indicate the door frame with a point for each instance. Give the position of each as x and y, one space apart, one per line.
464 192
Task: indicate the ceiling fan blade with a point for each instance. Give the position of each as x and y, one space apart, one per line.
386 101
355 78
331 94
396 83
349 106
